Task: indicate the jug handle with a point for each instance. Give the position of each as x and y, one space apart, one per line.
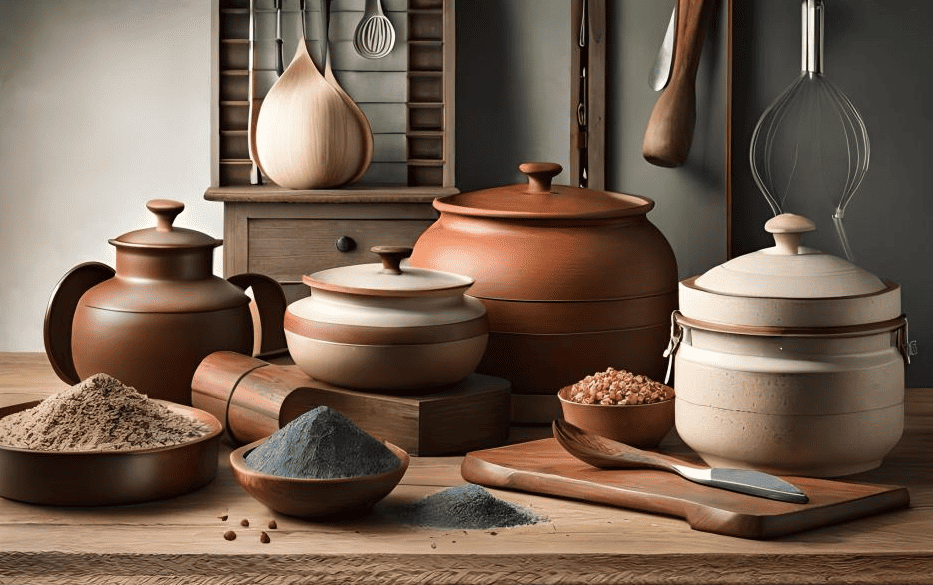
59 315
270 303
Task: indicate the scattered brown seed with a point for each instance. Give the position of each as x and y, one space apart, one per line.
224 517
230 535
272 525
433 544
244 522
493 533
264 538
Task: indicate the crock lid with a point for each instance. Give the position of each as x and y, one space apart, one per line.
164 234
539 199
389 278
789 270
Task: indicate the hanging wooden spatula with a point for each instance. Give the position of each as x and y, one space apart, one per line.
670 128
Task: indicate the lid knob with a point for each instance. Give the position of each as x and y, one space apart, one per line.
788 230
392 257
540 175
165 210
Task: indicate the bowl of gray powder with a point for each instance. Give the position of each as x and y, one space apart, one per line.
320 466
102 443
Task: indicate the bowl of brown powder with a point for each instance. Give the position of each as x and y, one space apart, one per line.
620 405
102 443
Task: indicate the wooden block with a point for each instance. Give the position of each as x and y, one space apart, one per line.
262 397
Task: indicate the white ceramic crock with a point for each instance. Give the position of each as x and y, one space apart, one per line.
387 327
790 361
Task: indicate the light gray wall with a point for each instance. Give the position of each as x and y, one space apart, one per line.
878 54
104 104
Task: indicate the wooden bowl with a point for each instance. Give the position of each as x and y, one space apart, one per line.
638 425
317 499
107 478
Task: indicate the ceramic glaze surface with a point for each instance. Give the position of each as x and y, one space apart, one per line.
575 280
790 361
387 327
150 322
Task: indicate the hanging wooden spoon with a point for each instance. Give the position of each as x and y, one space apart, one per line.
670 128
365 127
307 136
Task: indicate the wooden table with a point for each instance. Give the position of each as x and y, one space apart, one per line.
181 540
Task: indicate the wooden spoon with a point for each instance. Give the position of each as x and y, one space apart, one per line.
307 136
365 127
608 454
670 128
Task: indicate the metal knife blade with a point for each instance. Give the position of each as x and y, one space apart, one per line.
661 71
747 481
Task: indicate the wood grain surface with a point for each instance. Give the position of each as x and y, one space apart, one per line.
545 467
181 540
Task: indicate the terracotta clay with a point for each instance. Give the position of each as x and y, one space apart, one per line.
150 322
574 281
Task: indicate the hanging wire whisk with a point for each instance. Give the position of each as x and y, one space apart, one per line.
809 151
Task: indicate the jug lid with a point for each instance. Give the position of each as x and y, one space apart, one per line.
164 234
539 199
389 278
789 270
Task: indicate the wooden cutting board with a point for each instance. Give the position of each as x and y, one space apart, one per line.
543 467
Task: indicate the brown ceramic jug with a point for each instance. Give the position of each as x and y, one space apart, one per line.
150 322
574 281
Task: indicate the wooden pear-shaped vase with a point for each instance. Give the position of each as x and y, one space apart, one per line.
307 136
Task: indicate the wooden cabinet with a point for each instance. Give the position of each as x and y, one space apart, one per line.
288 234
408 98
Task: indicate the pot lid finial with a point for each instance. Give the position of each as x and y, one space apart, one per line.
788 230
165 210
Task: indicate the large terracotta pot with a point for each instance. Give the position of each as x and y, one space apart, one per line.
790 361
574 281
150 322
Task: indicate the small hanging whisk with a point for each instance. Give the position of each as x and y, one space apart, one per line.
809 151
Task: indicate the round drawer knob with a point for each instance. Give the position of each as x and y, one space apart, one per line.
346 244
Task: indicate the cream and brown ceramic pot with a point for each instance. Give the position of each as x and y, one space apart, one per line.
387 327
150 322
574 280
790 361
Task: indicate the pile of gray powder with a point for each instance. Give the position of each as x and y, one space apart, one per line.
98 414
466 506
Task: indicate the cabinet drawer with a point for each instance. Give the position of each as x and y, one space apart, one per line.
287 248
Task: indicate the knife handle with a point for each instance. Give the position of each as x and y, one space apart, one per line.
670 127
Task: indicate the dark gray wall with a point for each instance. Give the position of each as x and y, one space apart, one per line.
878 54
513 89
513 105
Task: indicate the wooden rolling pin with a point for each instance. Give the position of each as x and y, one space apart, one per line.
670 128
252 399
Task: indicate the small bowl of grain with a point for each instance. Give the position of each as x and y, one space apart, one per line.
619 405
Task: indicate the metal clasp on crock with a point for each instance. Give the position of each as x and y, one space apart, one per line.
904 344
677 335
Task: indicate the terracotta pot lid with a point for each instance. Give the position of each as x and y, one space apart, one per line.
164 234
789 270
539 199
389 278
